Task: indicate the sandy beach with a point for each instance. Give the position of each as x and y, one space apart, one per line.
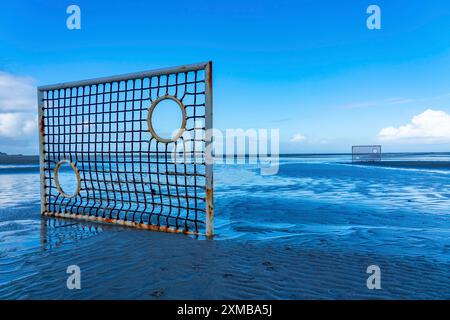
308 233
130 264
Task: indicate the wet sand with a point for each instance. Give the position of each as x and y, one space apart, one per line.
121 263
309 232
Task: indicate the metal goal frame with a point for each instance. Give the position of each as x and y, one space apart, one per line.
49 163
366 153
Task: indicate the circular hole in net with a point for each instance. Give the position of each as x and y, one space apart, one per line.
167 119
67 179
375 151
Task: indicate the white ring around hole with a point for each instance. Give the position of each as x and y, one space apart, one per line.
183 122
58 185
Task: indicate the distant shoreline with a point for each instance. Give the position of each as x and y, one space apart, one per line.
34 159
18 159
406 164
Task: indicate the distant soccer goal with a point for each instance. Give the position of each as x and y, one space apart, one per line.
104 157
366 153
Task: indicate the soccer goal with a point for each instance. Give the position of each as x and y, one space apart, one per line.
103 159
366 153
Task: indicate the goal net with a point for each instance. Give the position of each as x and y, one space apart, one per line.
366 153
103 159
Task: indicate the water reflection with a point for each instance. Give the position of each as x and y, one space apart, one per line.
57 231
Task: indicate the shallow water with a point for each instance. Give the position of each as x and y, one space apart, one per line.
326 213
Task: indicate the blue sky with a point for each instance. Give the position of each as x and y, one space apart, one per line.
310 68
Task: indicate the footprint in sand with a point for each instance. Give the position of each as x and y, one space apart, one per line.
268 265
158 293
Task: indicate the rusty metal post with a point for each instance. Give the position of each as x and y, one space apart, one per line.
41 149
208 151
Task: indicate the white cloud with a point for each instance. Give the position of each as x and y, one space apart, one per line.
17 125
18 108
429 126
394 101
377 103
297 138
17 93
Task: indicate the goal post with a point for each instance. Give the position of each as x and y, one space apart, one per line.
101 132
366 153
